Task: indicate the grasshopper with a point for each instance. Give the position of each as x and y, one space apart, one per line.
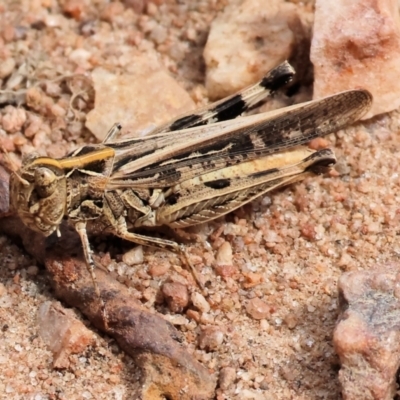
189 171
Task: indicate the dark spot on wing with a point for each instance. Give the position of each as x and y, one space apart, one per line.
241 143
276 79
218 184
264 173
187 121
224 111
230 108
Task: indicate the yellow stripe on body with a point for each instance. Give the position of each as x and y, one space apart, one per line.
76 162
46 161
81 161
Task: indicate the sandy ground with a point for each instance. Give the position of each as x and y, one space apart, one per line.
289 248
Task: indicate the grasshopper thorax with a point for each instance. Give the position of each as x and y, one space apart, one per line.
38 193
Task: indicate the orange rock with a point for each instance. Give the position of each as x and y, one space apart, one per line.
357 44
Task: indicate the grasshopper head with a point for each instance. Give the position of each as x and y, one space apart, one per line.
38 194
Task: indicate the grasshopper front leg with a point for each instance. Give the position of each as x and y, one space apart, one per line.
87 251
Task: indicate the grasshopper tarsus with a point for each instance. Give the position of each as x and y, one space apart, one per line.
192 268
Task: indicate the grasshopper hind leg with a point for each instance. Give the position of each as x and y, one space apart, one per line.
170 245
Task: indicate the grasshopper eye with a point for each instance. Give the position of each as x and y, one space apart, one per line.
44 181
